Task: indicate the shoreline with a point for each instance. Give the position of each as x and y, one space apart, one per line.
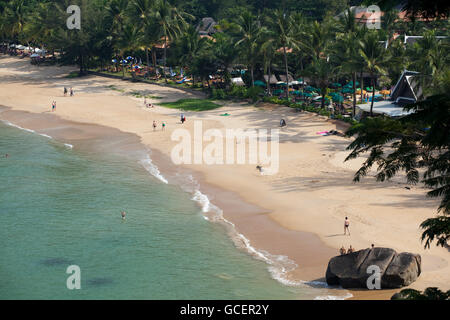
227 206
305 201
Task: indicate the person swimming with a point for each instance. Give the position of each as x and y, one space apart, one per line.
123 214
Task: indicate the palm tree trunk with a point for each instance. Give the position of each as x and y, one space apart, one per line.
323 91
251 73
354 94
165 56
362 86
154 57
270 76
147 57
123 68
373 95
287 71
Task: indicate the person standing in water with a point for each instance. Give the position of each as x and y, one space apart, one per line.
123 214
346 225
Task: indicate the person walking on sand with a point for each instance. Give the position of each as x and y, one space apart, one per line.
350 249
342 251
53 106
154 125
123 214
65 91
71 92
163 126
346 225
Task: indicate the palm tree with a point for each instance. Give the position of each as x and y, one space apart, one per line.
321 69
170 23
282 26
374 55
142 10
129 39
346 48
249 32
190 45
15 17
224 52
268 49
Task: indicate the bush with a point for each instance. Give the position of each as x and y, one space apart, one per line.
218 94
254 92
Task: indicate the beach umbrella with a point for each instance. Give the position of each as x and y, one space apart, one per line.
385 92
114 60
369 89
260 83
129 57
277 91
350 84
34 55
338 98
358 91
347 90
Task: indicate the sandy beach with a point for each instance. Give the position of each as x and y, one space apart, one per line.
298 212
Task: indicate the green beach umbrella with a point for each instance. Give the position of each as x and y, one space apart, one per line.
278 91
338 98
260 83
347 90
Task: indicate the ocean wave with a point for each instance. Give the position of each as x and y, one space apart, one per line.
68 145
331 297
16 126
279 265
148 164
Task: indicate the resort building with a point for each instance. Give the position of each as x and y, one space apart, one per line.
406 91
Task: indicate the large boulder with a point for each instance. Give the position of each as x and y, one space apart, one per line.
351 270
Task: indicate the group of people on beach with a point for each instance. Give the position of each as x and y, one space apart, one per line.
70 91
155 125
342 251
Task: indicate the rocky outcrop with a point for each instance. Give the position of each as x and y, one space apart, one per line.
396 270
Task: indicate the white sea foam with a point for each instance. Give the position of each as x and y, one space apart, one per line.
330 297
148 164
45 135
279 266
16 126
33 131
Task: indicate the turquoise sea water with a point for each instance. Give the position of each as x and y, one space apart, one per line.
61 207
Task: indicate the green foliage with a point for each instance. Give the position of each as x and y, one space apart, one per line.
191 104
419 141
430 293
